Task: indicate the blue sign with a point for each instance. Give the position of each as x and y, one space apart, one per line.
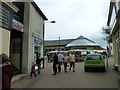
37 41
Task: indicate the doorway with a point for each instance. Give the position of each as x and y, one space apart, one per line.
16 50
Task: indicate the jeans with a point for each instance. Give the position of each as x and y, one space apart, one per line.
72 64
59 67
65 66
39 67
54 68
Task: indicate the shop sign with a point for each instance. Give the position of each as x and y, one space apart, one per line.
17 25
37 41
83 48
5 18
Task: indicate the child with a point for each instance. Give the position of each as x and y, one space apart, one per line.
33 69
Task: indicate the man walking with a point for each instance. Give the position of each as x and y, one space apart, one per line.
55 62
60 57
38 62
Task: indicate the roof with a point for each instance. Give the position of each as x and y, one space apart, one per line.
82 37
82 41
63 42
110 13
38 9
10 6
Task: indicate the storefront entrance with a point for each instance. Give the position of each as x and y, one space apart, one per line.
16 50
37 47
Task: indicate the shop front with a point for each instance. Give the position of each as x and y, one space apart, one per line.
16 45
37 47
6 14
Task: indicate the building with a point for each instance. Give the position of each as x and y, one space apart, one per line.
6 15
114 23
70 44
22 33
29 41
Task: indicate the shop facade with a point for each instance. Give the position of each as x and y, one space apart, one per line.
33 35
6 15
114 23
22 33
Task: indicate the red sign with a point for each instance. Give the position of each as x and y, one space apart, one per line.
17 25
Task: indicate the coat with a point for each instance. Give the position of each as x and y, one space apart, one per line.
7 74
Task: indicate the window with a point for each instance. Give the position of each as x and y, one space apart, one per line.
93 57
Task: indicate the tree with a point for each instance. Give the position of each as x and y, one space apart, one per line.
106 31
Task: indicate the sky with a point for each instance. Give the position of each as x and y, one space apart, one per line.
74 18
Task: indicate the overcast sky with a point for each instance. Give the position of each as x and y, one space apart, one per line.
74 18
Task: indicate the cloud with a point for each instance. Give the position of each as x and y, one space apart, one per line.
74 18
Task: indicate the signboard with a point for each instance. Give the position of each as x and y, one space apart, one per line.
84 48
17 25
5 18
37 41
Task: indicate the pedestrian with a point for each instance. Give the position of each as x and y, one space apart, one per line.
48 57
33 69
65 61
38 62
7 71
55 63
72 61
60 57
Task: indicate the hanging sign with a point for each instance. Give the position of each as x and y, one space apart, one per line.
37 40
17 25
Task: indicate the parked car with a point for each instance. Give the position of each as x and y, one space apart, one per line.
94 61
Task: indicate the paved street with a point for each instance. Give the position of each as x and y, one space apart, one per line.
78 79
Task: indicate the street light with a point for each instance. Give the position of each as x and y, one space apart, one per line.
50 21
44 37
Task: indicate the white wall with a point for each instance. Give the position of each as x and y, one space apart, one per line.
33 23
36 27
5 41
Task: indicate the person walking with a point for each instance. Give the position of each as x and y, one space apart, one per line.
48 57
60 57
38 62
7 71
33 69
55 62
72 61
65 61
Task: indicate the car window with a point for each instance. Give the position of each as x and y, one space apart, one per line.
93 57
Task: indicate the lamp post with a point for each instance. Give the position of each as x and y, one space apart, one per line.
59 43
44 37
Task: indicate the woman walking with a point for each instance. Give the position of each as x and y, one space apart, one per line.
65 61
72 61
